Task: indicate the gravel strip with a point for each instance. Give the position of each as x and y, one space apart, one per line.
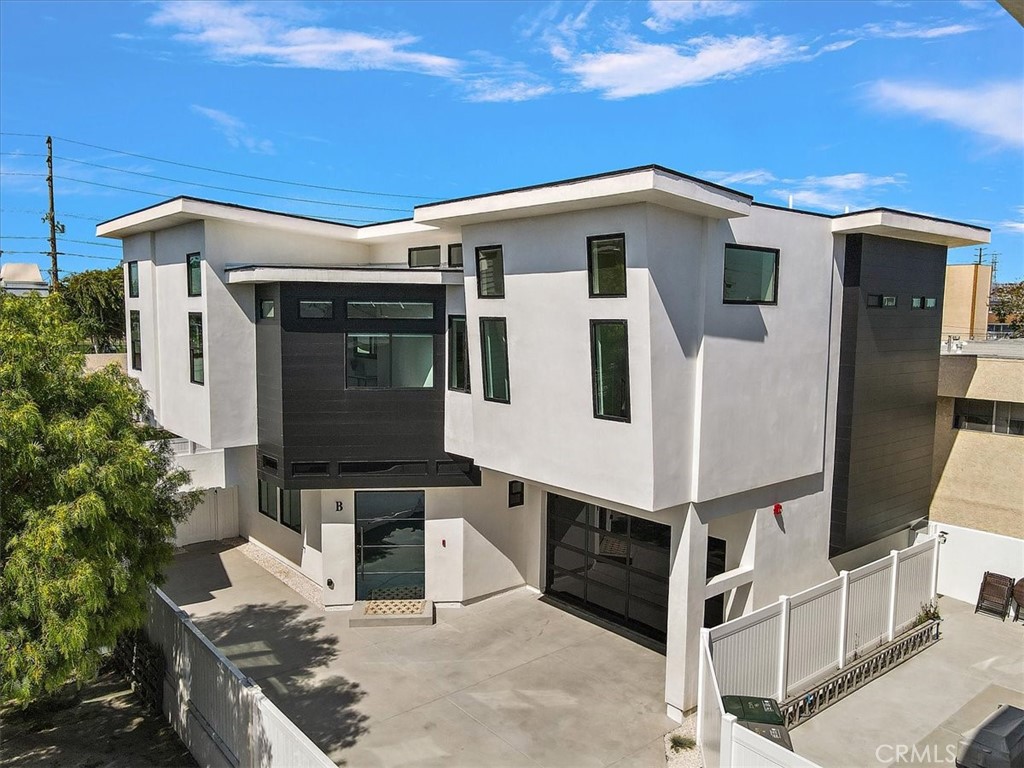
306 587
683 758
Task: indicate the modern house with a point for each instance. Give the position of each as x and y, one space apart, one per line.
640 393
20 279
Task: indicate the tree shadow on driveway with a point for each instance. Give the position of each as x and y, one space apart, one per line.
282 647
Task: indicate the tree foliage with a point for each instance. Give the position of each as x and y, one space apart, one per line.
95 300
87 509
1008 305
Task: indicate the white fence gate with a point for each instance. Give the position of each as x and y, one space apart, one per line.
221 715
215 518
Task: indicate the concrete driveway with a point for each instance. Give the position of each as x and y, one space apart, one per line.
915 714
509 681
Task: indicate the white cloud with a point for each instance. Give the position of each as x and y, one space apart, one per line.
1014 225
235 131
487 89
995 110
667 14
757 177
838 46
643 68
278 34
901 30
830 193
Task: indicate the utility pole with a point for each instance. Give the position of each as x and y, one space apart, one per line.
51 215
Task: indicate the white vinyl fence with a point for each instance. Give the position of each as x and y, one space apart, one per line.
213 519
221 715
779 650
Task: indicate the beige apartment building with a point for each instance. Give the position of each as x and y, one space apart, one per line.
965 302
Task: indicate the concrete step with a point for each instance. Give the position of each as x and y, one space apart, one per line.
392 613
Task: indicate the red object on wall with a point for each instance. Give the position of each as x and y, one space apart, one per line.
777 509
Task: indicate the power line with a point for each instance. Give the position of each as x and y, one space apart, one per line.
63 240
65 253
63 213
227 173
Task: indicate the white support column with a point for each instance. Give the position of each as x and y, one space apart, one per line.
894 585
702 681
936 543
686 593
783 648
844 615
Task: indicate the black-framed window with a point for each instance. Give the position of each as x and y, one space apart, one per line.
609 356
995 416
291 509
133 279
516 493
389 310
267 309
455 255
267 492
311 468
425 256
606 265
269 462
458 354
751 275
882 300
196 373
194 271
389 361
316 309
923 302
135 330
494 356
490 272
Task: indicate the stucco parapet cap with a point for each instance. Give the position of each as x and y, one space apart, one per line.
904 225
646 184
349 273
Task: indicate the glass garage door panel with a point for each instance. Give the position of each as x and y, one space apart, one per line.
609 563
390 561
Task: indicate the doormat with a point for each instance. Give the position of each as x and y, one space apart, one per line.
394 607
397 593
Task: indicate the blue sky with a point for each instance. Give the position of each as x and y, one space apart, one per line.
915 105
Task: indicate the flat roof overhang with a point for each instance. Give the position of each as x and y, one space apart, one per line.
244 274
901 225
643 185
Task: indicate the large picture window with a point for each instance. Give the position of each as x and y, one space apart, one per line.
751 275
606 264
135 328
609 354
1000 418
133 279
197 374
458 354
194 268
490 272
389 361
494 347
389 310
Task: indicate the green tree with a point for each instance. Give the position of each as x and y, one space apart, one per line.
1007 304
95 300
87 509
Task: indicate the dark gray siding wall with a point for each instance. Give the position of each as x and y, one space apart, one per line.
321 420
888 380
269 421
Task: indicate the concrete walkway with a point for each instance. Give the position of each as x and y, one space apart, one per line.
915 714
509 681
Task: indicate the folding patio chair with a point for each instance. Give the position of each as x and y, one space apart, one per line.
994 595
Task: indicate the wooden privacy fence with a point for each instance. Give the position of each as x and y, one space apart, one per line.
221 715
781 649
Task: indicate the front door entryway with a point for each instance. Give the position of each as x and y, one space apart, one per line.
610 564
389 545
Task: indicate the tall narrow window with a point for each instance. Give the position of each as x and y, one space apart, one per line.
455 255
291 509
428 256
494 345
458 354
267 498
133 279
609 354
516 493
194 266
751 275
195 348
606 263
490 272
136 339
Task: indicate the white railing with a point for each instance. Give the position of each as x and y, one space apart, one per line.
221 715
782 649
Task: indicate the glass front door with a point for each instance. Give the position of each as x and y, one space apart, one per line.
389 545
